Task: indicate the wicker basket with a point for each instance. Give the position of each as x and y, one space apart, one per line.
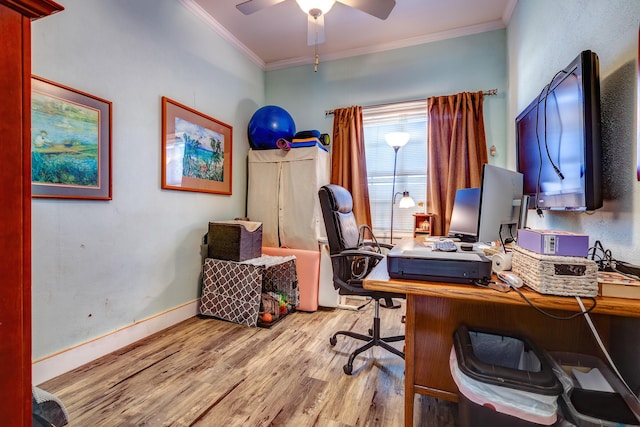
556 275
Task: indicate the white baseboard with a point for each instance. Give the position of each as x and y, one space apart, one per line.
64 361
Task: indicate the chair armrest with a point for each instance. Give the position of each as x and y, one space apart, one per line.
373 244
358 252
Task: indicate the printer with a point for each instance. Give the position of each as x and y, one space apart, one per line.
417 260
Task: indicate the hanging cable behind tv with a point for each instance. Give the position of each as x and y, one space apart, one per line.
546 143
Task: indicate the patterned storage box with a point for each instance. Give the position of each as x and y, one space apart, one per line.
556 275
232 291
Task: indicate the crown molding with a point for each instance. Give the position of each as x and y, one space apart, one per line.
199 12
413 41
508 11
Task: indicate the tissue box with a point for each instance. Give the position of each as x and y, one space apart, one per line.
234 240
554 242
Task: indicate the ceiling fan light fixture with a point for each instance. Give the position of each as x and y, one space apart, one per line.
315 8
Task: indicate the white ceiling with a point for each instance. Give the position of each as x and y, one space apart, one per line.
276 37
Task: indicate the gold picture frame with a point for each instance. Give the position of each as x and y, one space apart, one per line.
196 150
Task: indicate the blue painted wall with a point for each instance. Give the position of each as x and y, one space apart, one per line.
99 266
469 63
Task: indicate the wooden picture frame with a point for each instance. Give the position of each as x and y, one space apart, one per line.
196 150
70 143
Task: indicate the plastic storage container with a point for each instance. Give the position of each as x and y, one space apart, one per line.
593 395
502 380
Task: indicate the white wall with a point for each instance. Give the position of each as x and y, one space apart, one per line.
102 265
543 37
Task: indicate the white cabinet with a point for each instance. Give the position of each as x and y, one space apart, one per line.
283 195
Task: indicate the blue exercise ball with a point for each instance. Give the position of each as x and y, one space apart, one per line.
269 124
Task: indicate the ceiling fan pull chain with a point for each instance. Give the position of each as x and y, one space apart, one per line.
315 64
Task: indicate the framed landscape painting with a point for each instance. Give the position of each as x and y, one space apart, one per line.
70 143
196 150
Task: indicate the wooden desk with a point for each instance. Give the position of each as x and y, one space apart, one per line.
435 310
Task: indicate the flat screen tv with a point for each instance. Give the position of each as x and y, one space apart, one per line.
558 140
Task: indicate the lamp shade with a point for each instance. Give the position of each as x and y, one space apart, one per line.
406 201
319 5
396 139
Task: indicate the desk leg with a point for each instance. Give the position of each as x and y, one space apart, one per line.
409 360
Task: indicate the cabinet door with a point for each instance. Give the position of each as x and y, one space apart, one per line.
301 222
298 199
283 195
262 198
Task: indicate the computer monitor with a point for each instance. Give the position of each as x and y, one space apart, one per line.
500 201
464 216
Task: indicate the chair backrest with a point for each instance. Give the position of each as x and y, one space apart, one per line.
337 209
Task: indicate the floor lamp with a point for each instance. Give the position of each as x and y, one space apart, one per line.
395 141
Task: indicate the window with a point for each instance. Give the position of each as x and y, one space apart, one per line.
411 169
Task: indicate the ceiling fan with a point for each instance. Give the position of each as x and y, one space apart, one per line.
317 8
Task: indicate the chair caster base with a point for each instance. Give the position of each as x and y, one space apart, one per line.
383 303
333 341
348 369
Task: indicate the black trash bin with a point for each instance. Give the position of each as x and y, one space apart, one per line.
503 380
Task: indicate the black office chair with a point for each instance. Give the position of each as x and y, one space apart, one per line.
352 259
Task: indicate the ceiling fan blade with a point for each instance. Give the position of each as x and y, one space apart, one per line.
315 28
250 6
378 8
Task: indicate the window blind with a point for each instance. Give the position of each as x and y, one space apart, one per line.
411 167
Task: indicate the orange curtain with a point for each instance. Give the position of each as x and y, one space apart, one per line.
348 162
457 150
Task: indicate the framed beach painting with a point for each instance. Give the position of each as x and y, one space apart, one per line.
196 150
70 143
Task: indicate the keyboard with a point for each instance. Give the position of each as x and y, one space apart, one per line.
445 246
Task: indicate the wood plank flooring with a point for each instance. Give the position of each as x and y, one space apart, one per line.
207 372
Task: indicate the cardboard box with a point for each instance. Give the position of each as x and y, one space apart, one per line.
554 242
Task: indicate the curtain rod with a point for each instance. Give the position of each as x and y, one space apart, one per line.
489 92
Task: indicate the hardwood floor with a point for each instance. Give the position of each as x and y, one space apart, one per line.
207 372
